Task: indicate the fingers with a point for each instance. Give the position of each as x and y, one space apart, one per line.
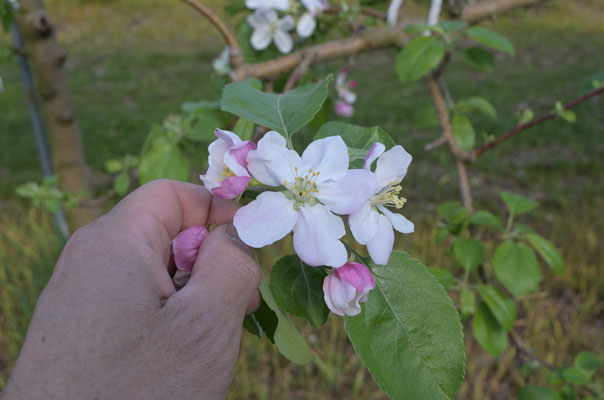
225 275
158 210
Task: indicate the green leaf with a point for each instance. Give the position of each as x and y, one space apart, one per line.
422 27
468 252
577 376
287 338
587 361
203 124
548 251
479 58
517 204
192 106
121 184
485 218
164 160
443 276
538 393
516 267
468 303
527 116
358 139
464 131
285 113
501 306
479 104
244 129
409 334
298 289
490 39
266 321
488 332
28 190
112 166
251 324
451 26
419 57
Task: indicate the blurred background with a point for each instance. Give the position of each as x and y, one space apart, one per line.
133 63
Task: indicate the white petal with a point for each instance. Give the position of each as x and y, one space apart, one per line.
393 10
287 23
392 166
347 95
374 152
265 220
283 40
261 37
342 293
346 195
230 137
315 6
364 223
316 237
380 246
329 156
281 5
272 163
262 18
306 25
400 223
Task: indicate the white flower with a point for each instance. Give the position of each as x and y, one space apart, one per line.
222 64
317 185
372 224
307 23
268 27
344 87
281 5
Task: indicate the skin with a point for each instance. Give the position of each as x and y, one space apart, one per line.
111 325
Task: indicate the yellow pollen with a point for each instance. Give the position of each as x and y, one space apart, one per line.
226 173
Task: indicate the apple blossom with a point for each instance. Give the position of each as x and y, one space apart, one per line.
185 247
344 109
307 23
372 223
346 287
344 106
316 186
227 175
268 28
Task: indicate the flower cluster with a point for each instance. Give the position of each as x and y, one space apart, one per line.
270 27
346 97
306 195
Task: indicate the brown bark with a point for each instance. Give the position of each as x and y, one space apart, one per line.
47 59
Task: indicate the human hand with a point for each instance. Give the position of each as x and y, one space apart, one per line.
111 325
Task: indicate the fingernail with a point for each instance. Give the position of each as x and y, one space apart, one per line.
232 234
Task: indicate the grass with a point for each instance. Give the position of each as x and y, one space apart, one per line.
132 63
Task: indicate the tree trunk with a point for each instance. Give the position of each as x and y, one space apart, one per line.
48 59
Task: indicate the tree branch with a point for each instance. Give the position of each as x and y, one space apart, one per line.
371 38
477 152
299 72
227 35
447 128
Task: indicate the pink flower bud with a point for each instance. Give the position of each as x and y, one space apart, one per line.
344 109
346 287
352 84
186 246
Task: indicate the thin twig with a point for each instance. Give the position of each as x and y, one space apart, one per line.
435 144
229 38
523 348
447 129
299 72
335 9
477 152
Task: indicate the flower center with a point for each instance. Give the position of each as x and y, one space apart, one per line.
389 196
303 187
226 173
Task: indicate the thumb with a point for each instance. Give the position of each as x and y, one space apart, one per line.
225 276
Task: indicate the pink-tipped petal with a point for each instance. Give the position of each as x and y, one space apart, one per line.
374 152
186 245
344 109
231 187
231 138
358 275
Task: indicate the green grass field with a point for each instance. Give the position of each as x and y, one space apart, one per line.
133 63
